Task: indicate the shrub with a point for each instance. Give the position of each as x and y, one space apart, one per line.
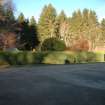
53 44
92 57
48 57
39 57
71 58
85 57
55 58
2 59
21 58
30 58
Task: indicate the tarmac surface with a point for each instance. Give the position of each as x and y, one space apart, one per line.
80 84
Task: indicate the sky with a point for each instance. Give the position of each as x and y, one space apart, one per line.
34 7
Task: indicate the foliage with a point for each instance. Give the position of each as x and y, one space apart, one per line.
103 29
53 44
28 36
7 18
80 44
55 58
1 42
80 32
85 57
24 58
32 21
21 18
46 26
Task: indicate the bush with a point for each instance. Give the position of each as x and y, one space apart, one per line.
30 58
48 57
85 57
22 58
71 58
53 44
55 58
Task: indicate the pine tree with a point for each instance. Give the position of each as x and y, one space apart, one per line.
76 21
28 36
93 17
75 30
90 28
24 40
21 18
33 32
46 22
32 21
62 17
103 29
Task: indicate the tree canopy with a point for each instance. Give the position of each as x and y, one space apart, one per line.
82 26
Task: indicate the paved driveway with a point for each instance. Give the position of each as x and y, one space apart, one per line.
81 84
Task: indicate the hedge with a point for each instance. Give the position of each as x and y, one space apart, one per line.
48 57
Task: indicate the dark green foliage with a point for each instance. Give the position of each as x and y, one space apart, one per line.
28 36
8 57
53 44
1 43
22 58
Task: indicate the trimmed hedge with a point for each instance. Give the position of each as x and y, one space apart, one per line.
24 58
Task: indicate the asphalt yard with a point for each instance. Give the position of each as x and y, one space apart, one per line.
81 84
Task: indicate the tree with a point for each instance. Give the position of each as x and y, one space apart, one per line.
103 29
24 40
9 10
28 36
61 19
76 21
74 28
46 23
1 12
7 18
91 28
21 18
1 42
34 32
32 21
